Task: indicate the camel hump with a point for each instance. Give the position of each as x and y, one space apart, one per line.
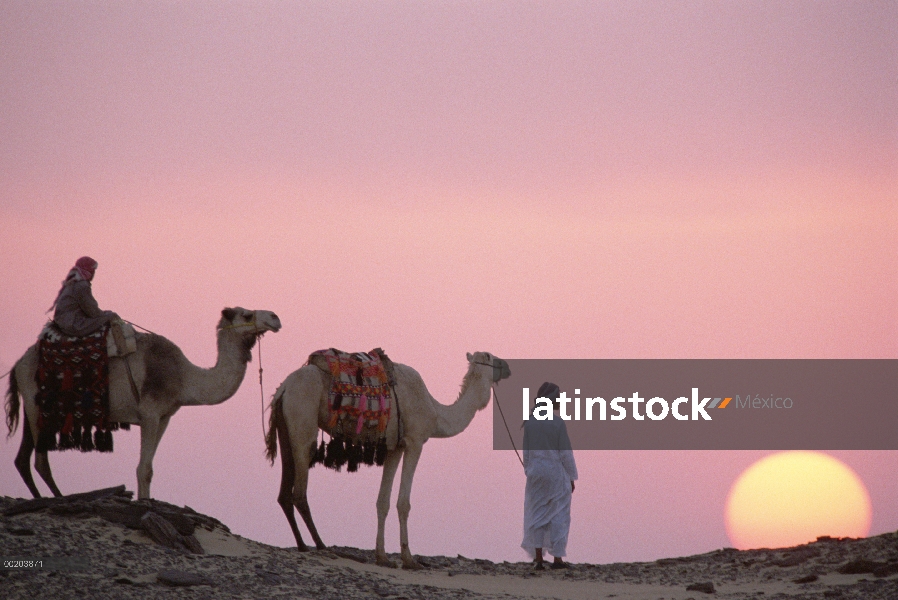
387 364
333 362
319 360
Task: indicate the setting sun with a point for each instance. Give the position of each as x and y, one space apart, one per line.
792 498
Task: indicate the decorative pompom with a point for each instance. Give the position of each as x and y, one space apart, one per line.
335 457
353 456
370 449
380 454
320 453
66 442
103 440
87 443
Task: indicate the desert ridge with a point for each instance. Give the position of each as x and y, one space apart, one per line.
106 545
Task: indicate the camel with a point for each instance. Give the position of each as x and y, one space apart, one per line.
300 408
164 379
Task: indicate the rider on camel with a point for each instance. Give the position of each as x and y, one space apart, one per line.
77 312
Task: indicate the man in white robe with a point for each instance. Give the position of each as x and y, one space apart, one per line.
551 472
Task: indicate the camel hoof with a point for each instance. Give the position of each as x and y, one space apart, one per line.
302 548
383 561
411 565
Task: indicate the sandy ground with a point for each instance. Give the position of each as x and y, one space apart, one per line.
94 558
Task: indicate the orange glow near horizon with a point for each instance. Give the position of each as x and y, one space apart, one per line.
792 498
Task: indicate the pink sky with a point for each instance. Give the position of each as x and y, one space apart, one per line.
538 180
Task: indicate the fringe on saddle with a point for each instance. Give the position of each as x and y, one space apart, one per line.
73 392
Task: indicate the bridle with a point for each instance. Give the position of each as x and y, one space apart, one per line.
251 323
258 335
499 406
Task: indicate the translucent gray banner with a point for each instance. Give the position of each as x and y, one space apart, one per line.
706 404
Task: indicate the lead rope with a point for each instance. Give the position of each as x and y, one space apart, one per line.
496 397
261 390
138 326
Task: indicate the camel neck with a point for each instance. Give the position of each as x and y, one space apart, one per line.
217 384
455 418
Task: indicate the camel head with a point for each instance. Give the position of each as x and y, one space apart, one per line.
247 326
500 367
251 322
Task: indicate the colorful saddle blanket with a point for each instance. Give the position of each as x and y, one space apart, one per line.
73 392
359 400
359 405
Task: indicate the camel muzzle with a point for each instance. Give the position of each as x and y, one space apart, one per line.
500 370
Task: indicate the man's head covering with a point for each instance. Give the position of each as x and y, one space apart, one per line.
86 267
548 390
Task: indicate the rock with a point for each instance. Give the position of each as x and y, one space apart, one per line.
21 531
181 522
164 533
128 515
706 587
796 557
268 577
886 570
193 544
806 579
177 578
856 567
37 504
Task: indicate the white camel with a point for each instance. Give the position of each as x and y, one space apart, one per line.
300 408
164 379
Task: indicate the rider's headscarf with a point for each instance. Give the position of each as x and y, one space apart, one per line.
84 269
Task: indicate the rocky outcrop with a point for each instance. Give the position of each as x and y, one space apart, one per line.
103 545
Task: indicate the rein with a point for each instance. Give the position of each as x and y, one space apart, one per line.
259 341
496 396
139 327
261 390
499 406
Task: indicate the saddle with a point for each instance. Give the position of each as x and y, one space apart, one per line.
73 391
121 339
360 402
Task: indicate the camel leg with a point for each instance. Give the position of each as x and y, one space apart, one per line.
42 466
41 462
151 430
23 459
288 476
300 489
404 505
391 463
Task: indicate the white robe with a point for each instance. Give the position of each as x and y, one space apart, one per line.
547 496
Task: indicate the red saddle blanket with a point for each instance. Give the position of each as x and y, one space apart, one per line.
73 392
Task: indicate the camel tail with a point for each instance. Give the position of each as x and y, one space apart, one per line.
12 404
271 439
